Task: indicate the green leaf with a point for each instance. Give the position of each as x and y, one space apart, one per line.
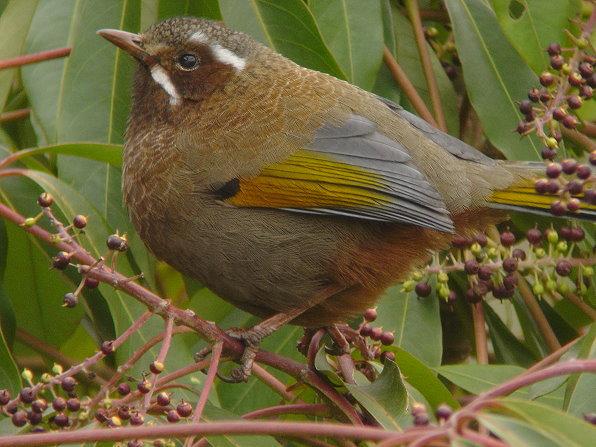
107 153
14 26
386 398
566 430
424 379
287 26
516 432
208 9
579 395
353 31
537 23
415 322
10 378
508 349
495 76
406 53
479 378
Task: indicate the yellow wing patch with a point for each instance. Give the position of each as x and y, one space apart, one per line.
309 180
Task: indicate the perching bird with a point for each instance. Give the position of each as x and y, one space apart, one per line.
296 196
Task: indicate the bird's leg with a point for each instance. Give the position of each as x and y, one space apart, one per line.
252 339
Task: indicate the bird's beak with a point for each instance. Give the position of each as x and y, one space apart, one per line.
129 42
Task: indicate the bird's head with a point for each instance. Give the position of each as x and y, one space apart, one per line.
184 58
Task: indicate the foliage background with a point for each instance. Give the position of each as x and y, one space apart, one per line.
78 115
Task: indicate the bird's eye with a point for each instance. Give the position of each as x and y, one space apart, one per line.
187 61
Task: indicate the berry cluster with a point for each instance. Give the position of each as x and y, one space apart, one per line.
445 50
421 418
377 335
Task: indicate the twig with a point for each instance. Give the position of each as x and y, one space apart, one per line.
35 57
310 409
54 354
404 83
141 350
434 15
482 440
159 361
14 115
431 81
207 385
274 428
273 382
585 308
579 138
480 338
589 129
533 307
552 358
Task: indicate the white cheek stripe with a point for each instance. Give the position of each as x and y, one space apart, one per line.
160 76
199 36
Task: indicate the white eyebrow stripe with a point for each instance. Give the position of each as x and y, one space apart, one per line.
199 36
228 57
160 76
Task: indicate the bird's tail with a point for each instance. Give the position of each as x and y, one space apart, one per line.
523 196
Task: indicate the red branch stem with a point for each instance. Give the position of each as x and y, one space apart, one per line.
34 57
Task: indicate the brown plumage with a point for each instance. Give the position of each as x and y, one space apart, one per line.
206 152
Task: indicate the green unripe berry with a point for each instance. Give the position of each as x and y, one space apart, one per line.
408 286
551 143
416 276
582 290
443 291
551 285
442 277
562 246
476 248
540 252
587 270
552 236
492 253
57 369
563 288
538 288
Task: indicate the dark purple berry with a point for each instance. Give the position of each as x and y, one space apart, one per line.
423 289
387 355
484 273
553 170
144 386
370 315
11 408
461 242
590 418
510 265
59 403
563 267
575 79
156 367
443 412
541 186
124 412
70 300
574 102
585 91
27 395
4 397
557 61
79 221
19 419
534 95
558 208
570 122
525 106
590 196
575 187
387 338
583 172
565 233
61 420
577 234
573 205
39 405
184 409
136 419
73 404
376 333
117 243
585 69
546 79
68 384
552 186
101 416
510 281
471 267
34 417
91 283
366 330
554 49
591 81
134 443
173 416
421 420
507 238
45 200
545 96
124 389
522 127
559 114
481 239
107 347
519 254
568 166
547 153
61 260
451 297
163 399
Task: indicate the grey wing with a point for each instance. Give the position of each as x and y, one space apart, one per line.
405 195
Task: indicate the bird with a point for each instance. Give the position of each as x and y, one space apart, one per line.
294 195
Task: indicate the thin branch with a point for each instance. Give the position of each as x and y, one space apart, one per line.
159 361
534 308
273 382
273 428
35 57
480 338
585 308
482 440
434 15
321 410
579 138
433 89
14 115
207 385
55 355
405 85
552 358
